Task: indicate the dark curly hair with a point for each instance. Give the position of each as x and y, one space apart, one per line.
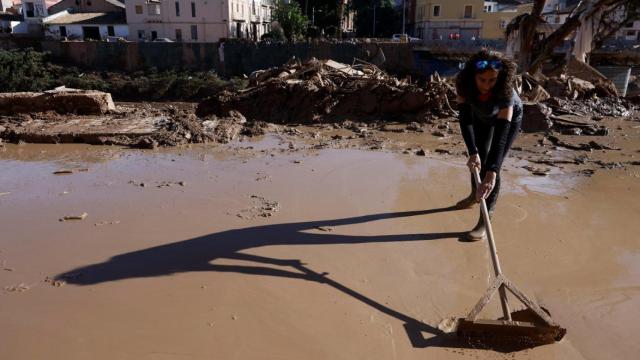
466 83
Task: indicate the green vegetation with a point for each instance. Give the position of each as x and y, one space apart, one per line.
23 71
28 70
291 20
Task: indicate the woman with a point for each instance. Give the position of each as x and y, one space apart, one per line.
490 113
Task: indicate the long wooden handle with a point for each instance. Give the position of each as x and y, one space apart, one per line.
492 248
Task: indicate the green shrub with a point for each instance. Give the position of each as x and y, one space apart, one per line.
24 70
28 70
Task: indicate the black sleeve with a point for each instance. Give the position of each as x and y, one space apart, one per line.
466 127
498 145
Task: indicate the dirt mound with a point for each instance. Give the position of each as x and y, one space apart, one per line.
319 91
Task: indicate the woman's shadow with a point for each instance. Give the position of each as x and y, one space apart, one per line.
197 254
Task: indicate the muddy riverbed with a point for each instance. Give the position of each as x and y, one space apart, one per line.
280 247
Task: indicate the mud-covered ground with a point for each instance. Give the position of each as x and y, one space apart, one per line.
328 241
564 148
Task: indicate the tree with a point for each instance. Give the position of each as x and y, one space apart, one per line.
327 15
291 19
534 52
388 18
340 17
612 21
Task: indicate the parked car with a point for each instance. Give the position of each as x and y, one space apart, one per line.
115 39
404 38
163 40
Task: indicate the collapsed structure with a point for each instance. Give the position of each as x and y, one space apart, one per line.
324 91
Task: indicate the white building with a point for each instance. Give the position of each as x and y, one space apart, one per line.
33 12
86 26
198 21
5 5
557 11
490 6
9 17
630 32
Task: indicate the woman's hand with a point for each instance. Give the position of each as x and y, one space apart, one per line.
473 162
486 186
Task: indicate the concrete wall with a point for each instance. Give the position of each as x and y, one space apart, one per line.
134 56
240 57
245 57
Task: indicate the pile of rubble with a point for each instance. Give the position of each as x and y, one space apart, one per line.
61 100
326 90
572 99
128 125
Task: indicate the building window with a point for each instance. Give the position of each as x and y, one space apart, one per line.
468 11
193 9
177 8
488 8
631 33
436 10
154 35
503 23
253 8
140 34
63 31
153 9
194 32
179 35
138 9
30 10
110 31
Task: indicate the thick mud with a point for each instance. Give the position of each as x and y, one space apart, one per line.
359 258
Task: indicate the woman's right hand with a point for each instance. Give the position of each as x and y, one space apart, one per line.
473 162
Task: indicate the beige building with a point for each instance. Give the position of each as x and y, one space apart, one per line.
496 17
198 20
436 19
464 19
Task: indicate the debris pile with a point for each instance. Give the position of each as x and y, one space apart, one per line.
140 127
578 91
325 90
61 100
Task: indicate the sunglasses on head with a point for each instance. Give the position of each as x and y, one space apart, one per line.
485 64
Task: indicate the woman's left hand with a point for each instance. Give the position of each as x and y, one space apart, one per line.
486 186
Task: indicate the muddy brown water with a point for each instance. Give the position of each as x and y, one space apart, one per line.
360 260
